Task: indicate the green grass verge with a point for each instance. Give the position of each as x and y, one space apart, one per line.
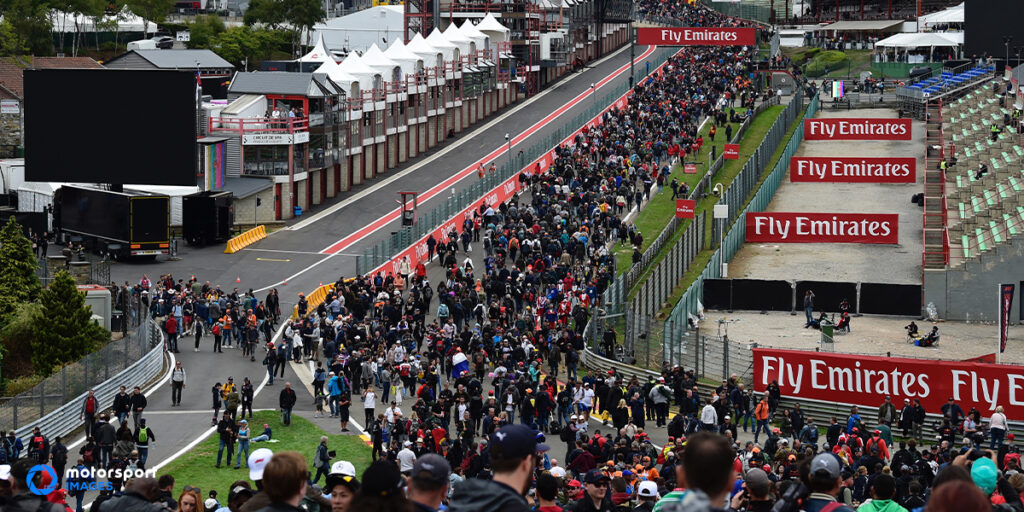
703 257
748 143
197 467
661 208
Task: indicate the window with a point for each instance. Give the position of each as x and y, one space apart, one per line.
299 156
266 160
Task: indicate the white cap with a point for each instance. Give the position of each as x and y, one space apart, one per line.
258 461
5 471
343 467
407 444
210 504
648 489
558 471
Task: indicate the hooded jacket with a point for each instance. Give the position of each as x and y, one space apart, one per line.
475 495
881 506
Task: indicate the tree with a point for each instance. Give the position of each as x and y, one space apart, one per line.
203 29
150 11
303 15
64 331
243 43
269 13
10 43
16 340
18 280
32 25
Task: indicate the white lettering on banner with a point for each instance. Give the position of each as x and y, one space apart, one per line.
805 226
1014 387
987 395
774 226
856 379
687 35
841 169
864 127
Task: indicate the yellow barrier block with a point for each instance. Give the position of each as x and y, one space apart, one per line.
245 239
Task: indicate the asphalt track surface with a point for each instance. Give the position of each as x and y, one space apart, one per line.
288 252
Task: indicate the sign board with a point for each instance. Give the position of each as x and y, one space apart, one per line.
721 211
852 170
857 129
9 107
690 168
685 208
854 228
270 139
696 36
183 36
861 380
731 152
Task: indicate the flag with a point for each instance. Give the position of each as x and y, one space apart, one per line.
1005 303
459 364
199 86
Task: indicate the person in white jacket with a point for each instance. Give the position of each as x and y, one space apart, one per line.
709 417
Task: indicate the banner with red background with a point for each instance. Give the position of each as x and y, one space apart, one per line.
825 169
696 36
860 128
867 380
811 228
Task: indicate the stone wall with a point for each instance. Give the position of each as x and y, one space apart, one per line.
10 135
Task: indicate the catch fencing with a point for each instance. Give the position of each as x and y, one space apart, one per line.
54 404
687 308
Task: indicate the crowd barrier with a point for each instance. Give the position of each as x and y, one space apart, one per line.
246 239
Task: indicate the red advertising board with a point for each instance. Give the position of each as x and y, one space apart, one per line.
860 128
867 380
690 168
685 208
731 151
696 36
809 228
823 169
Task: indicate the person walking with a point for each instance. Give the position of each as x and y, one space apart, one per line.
89 409
243 444
177 383
122 405
322 460
106 437
217 402
997 428
138 403
143 436
369 404
287 400
270 360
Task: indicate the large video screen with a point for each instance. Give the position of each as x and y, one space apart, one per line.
110 126
986 22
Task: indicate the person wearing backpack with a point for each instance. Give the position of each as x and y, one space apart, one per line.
321 460
143 436
38 446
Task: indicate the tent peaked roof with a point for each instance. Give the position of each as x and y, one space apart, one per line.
354 66
427 51
439 41
376 59
469 30
456 37
410 62
319 53
491 24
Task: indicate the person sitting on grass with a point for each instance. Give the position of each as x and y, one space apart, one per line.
265 436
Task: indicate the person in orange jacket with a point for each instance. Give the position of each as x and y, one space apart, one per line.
761 414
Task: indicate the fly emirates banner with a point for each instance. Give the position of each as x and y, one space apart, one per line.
857 129
810 228
867 380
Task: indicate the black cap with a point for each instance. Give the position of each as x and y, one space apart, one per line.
381 479
239 490
514 442
594 476
335 479
431 468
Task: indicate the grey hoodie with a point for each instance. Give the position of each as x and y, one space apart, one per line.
475 495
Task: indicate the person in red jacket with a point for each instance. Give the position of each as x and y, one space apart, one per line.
877 441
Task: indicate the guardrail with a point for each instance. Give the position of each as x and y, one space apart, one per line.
246 239
32 408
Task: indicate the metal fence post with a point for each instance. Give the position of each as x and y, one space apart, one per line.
725 357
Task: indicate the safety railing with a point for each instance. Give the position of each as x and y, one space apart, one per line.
735 237
242 125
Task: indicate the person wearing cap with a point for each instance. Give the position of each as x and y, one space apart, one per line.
596 496
257 463
284 482
341 486
660 394
406 458
513 454
756 495
647 494
22 498
824 479
887 413
428 483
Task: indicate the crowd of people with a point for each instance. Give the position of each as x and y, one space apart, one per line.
485 364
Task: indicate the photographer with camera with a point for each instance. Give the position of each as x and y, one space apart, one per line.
756 495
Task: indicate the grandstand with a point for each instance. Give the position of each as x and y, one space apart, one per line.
982 217
951 84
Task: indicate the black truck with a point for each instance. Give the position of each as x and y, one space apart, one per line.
117 224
